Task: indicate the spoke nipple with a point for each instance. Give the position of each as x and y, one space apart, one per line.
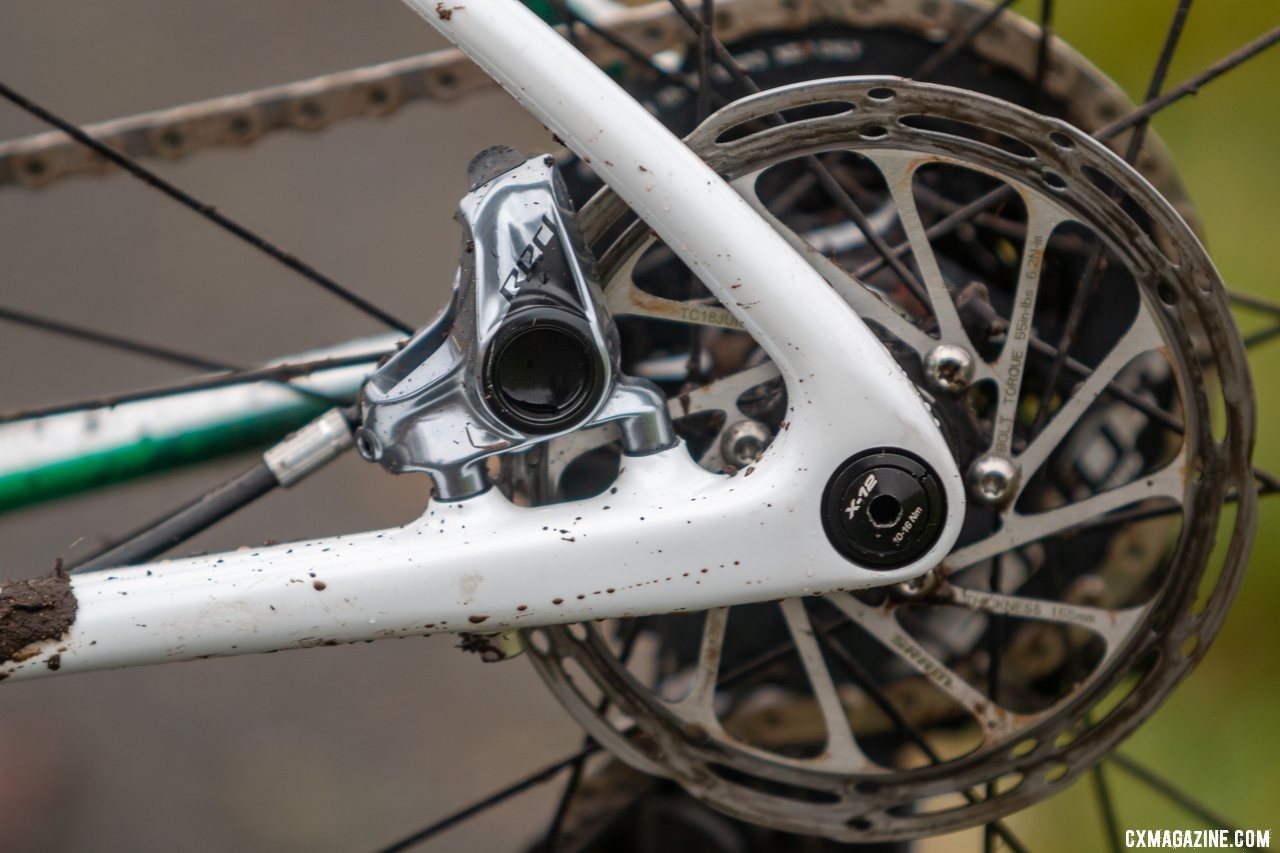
949 368
993 479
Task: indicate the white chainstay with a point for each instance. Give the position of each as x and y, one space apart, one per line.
668 536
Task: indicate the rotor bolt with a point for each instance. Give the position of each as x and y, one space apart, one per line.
993 479
948 367
918 588
744 441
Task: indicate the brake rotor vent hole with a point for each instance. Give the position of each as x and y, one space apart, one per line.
1062 140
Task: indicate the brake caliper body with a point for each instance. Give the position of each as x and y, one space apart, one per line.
525 352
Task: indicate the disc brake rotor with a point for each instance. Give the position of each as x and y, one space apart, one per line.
1082 588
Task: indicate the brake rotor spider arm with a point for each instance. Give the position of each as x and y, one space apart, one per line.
667 536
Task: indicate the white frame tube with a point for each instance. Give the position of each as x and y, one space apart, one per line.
669 536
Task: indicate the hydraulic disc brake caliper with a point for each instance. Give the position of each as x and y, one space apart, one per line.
524 352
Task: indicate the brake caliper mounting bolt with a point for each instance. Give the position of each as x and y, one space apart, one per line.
949 368
743 442
993 479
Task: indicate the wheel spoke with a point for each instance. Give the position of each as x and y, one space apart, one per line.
1095 267
1097 262
1159 784
1042 50
1253 301
863 679
1268 482
567 20
986 202
842 200
1262 336
975 208
142 348
634 53
110 341
1172 35
272 373
551 841
842 750
705 49
1106 808
497 798
942 227
960 41
208 211
865 301
832 187
1190 86
703 99
1119 392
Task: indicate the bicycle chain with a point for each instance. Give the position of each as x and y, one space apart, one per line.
380 90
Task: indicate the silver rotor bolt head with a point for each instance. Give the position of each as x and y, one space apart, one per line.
743 441
919 587
993 479
949 368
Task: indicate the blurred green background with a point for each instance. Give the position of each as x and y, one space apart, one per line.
1218 736
343 748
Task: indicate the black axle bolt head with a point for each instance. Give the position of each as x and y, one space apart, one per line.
883 508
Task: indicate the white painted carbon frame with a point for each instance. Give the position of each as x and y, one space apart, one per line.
668 536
